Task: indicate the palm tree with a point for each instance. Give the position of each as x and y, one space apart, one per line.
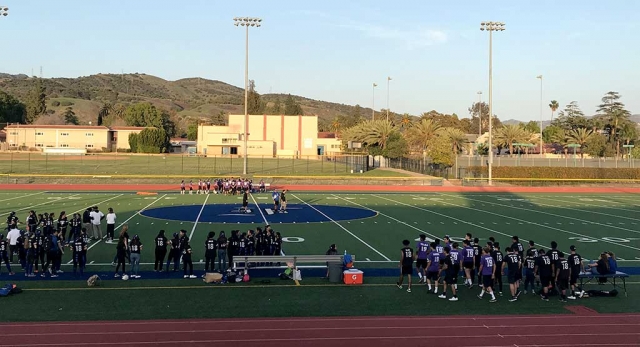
456 137
406 121
562 138
423 133
553 106
377 132
580 137
119 110
105 111
510 134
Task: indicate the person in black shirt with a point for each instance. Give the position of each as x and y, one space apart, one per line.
160 251
250 243
562 275
232 246
30 248
79 247
76 225
516 246
86 218
186 261
529 269
121 250
32 221
245 201
553 254
174 252
283 201
477 254
450 274
39 251
532 248
543 269
575 262
513 266
406 264
497 256
210 249
4 249
62 226
222 252
242 244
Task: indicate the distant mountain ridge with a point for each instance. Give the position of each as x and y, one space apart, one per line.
187 99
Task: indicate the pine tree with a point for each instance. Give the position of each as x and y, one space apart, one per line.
36 103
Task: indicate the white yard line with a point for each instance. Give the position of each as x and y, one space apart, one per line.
22 196
585 211
343 228
98 203
44 203
266 222
394 219
529 222
130 218
195 224
550 214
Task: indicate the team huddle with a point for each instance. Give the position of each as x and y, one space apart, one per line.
544 273
231 186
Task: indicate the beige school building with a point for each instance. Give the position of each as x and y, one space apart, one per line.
269 136
69 136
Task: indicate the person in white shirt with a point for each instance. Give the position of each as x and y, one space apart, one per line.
96 219
111 225
12 237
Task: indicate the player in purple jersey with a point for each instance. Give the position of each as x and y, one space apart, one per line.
468 262
486 269
439 248
456 257
422 251
433 267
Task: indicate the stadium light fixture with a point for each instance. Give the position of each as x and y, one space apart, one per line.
246 22
4 11
491 27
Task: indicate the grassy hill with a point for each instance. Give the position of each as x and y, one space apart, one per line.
186 99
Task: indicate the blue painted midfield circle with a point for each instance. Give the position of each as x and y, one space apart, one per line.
230 213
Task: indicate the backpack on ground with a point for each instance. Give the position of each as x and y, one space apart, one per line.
94 281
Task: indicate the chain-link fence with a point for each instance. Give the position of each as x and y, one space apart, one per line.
177 164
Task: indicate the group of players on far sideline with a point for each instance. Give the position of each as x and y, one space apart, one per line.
225 186
549 271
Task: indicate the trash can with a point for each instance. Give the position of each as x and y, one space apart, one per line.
335 272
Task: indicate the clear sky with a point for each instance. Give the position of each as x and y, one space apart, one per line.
335 50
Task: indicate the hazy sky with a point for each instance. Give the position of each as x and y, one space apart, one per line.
334 50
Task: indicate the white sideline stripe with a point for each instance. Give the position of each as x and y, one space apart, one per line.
195 224
22 196
343 228
386 215
584 211
128 219
538 224
260 210
44 203
450 217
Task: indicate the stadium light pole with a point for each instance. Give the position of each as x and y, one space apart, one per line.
246 22
491 27
541 148
388 80
479 113
373 102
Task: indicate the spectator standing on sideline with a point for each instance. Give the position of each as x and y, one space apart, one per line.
3 254
12 237
136 248
111 225
86 219
222 252
96 218
211 247
161 251
121 250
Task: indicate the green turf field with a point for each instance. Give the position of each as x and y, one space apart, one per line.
592 222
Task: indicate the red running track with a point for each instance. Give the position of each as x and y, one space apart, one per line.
468 331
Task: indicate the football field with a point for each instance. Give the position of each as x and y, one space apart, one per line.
370 226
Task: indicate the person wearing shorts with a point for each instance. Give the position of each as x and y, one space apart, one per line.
450 274
406 264
433 268
487 271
